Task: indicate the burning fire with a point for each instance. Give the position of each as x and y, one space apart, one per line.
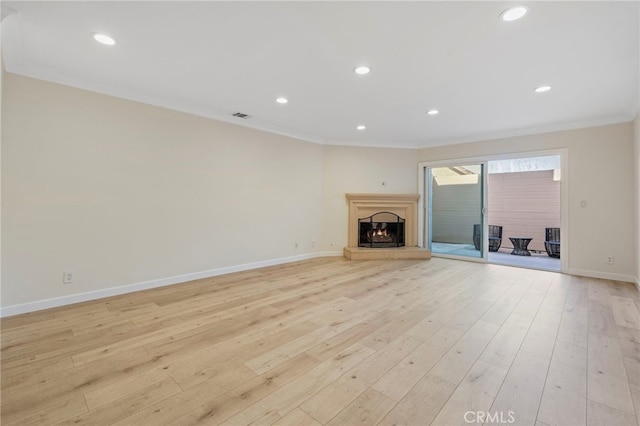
379 232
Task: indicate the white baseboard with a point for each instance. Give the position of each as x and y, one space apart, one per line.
146 285
603 275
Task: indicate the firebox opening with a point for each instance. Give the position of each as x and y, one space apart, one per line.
382 229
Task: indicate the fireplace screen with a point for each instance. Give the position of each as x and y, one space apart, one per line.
382 229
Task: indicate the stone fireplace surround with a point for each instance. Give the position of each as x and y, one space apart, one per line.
365 205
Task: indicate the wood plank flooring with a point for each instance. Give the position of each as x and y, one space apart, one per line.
335 342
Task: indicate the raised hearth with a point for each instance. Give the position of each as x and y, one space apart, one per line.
387 213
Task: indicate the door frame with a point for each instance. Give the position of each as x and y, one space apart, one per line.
564 198
423 216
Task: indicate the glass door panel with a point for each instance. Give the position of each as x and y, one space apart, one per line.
456 223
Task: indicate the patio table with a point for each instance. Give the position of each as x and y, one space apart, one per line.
520 246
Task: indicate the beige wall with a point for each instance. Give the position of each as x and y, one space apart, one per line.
600 172
127 194
361 170
123 193
636 168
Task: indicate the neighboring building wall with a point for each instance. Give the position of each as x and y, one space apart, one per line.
456 208
524 204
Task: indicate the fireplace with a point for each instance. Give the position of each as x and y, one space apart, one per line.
381 230
383 226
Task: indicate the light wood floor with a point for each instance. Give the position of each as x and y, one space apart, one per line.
335 342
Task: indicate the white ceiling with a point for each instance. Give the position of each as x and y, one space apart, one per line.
217 58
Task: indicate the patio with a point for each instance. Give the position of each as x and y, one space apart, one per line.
502 257
535 261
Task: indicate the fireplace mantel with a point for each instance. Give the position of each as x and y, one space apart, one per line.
383 197
365 205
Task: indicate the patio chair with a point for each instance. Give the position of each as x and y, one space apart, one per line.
552 242
495 237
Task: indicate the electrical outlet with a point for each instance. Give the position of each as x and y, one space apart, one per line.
67 277
610 260
313 243
296 244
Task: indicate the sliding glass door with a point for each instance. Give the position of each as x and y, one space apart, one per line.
455 206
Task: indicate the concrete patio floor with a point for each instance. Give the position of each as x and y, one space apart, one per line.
502 256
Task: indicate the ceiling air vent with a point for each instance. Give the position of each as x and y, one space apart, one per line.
241 115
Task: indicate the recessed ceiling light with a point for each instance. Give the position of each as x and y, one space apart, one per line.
361 127
362 70
282 100
104 39
513 13
433 112
542 89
